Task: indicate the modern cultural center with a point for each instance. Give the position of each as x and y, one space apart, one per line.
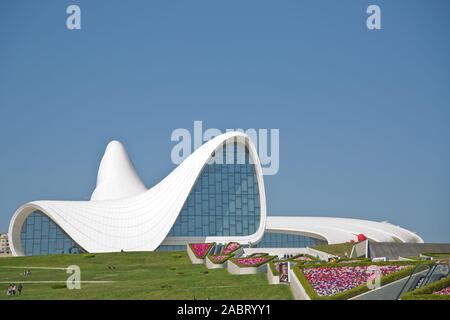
215 195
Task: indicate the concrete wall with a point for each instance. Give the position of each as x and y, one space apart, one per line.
234 269
273 279
211 265
359 250
389 291
296 287
386 292
322 255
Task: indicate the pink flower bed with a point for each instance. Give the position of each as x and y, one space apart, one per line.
443 291
231 247
200 249
330 281
252 261
218 259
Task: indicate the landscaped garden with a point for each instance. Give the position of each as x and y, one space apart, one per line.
225 254
251 261
329 281
136 275
200 250
443 291
337 281
230 248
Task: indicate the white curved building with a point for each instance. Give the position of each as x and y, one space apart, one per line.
216 195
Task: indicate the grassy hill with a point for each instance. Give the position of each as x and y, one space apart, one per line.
138 275
336 249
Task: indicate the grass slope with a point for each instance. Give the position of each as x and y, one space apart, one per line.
137 275
336 249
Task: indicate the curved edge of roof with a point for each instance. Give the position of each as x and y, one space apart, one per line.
340 230
140 222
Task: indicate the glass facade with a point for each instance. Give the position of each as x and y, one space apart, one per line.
225 198
287 240
41 236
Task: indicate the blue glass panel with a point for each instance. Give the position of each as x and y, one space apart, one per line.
41 236
286 240
226 196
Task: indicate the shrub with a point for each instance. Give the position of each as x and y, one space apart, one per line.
219 259
273 268
252 261
257 254
59 286
230 248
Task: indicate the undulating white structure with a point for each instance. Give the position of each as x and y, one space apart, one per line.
216 194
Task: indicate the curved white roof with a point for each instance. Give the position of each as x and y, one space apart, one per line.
139 222
123 215
340 230
117 177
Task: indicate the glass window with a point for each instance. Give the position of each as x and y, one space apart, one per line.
225 195
287 240
41 236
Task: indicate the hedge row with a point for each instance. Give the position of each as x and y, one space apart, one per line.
226 245
426 292
366 263
304 255
270 258
340 260
229 256
354 291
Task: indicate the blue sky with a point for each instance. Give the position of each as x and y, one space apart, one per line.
363 115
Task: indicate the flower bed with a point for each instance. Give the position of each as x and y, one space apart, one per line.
338 282
252 261
443 291
219 259
200 250
330 281
230 248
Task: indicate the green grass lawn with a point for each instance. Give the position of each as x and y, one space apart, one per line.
336 249
139 275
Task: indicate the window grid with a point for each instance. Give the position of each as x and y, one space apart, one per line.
224 200
41 236
286 240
